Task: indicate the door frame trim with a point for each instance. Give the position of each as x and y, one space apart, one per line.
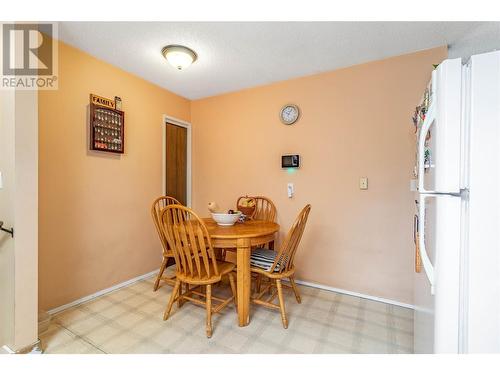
184 124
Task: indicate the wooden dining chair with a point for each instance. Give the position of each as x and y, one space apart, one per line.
264 209
278 265
195 262
158 205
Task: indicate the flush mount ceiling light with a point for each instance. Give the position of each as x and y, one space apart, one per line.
179 56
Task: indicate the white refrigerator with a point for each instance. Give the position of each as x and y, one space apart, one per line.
457 222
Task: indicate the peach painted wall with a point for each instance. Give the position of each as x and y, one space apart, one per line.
95 228
355 122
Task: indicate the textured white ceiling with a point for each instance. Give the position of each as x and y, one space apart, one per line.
484 38
233 56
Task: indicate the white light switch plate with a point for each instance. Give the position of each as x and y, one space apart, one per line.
290 189
363 183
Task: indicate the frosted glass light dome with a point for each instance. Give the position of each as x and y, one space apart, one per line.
178 56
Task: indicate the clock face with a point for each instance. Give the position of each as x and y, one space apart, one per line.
289 114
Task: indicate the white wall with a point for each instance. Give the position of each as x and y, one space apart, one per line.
26 220
19 208
7 215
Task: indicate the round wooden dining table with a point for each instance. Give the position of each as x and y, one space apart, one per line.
242 237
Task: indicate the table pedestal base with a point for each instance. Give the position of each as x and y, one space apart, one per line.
244 281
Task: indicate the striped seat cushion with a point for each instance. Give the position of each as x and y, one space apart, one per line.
264 258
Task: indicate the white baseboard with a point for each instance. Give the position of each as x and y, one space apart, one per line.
101 293
34 348
8 350
152 273
355 294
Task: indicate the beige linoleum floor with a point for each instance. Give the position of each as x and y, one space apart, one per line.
129 320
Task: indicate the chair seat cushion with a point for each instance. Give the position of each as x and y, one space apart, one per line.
264 259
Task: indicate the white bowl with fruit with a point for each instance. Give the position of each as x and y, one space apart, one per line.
226 219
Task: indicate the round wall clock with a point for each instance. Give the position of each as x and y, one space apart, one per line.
289 114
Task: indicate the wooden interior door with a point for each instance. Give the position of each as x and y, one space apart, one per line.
176 162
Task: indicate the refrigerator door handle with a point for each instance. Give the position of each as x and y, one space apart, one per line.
415 228
426 262
429 118
418 262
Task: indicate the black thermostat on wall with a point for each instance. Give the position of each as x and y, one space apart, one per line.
290 161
